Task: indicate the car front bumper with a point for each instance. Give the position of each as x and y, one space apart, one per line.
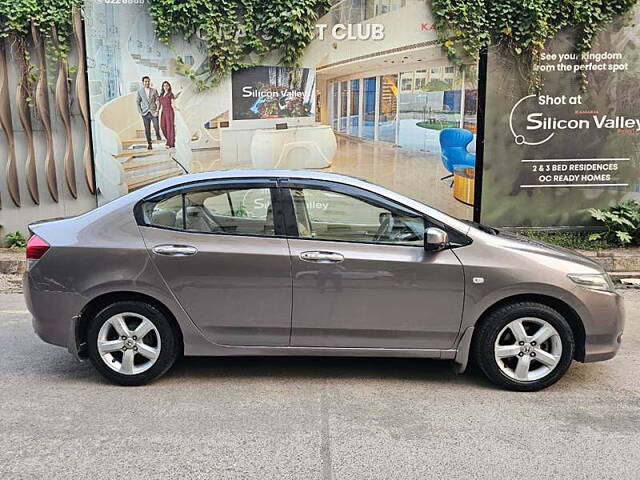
603 321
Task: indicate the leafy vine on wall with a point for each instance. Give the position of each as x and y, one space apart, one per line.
233 29
52 18
523 28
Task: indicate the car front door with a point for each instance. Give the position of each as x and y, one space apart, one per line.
361 275
223 253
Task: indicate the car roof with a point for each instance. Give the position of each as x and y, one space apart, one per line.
258 173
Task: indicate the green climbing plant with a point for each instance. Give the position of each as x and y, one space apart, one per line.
52 18
231 30
523 28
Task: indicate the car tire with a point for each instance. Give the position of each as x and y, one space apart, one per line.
119 355
506 350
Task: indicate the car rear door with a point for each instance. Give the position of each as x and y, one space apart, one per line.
221 249
359 283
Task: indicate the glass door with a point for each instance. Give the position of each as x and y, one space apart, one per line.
344 99
334 105
388 118
354 120
369 108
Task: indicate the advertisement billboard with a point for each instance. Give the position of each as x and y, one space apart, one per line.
371 97
551 155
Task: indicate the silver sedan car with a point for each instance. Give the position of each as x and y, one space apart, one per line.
307 263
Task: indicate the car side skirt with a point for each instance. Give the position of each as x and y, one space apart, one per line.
222 350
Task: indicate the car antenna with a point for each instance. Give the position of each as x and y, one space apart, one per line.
181 166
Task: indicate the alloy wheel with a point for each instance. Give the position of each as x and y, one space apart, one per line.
129 343
528 349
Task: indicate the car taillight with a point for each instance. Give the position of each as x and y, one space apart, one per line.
36 247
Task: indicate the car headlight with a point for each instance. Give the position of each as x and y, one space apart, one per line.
593 281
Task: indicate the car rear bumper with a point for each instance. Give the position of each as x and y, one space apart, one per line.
52 311
605 325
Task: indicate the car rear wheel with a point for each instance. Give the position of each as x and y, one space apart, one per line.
524 346
131 343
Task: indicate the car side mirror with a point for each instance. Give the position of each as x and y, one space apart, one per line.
435 239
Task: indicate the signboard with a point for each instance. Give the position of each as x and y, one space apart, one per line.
551 155
273 92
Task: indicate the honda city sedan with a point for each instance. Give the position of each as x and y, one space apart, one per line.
309 263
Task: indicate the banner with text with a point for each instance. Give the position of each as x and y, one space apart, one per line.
552 155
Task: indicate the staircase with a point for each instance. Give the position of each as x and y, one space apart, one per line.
126 164
143 167
389 103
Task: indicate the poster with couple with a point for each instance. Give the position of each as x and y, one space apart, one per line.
157 109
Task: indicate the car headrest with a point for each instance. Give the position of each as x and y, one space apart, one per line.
196 220
165 218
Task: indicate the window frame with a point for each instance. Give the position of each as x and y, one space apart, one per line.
209 185
361 194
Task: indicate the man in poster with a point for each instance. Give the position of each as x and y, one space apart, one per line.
148 107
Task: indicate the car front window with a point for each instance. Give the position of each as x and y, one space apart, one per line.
328 215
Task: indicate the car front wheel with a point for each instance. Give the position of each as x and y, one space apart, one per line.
524 346
131 343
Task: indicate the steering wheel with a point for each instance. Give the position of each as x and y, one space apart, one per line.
385 228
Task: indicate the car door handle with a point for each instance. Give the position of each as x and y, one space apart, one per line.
322 257
175 250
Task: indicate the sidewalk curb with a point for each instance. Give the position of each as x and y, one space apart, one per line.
13 267
616 260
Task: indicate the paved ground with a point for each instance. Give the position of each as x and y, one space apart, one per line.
10 284
310 418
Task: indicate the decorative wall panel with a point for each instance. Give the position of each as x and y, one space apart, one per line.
62 102
7 127
82 97
42 106
24 113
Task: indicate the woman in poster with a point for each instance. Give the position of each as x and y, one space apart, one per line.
167 114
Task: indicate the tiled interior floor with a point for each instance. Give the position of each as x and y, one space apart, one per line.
412 173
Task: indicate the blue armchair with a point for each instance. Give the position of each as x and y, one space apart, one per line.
453 145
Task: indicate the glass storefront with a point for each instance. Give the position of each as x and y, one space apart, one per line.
408 109
428 104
